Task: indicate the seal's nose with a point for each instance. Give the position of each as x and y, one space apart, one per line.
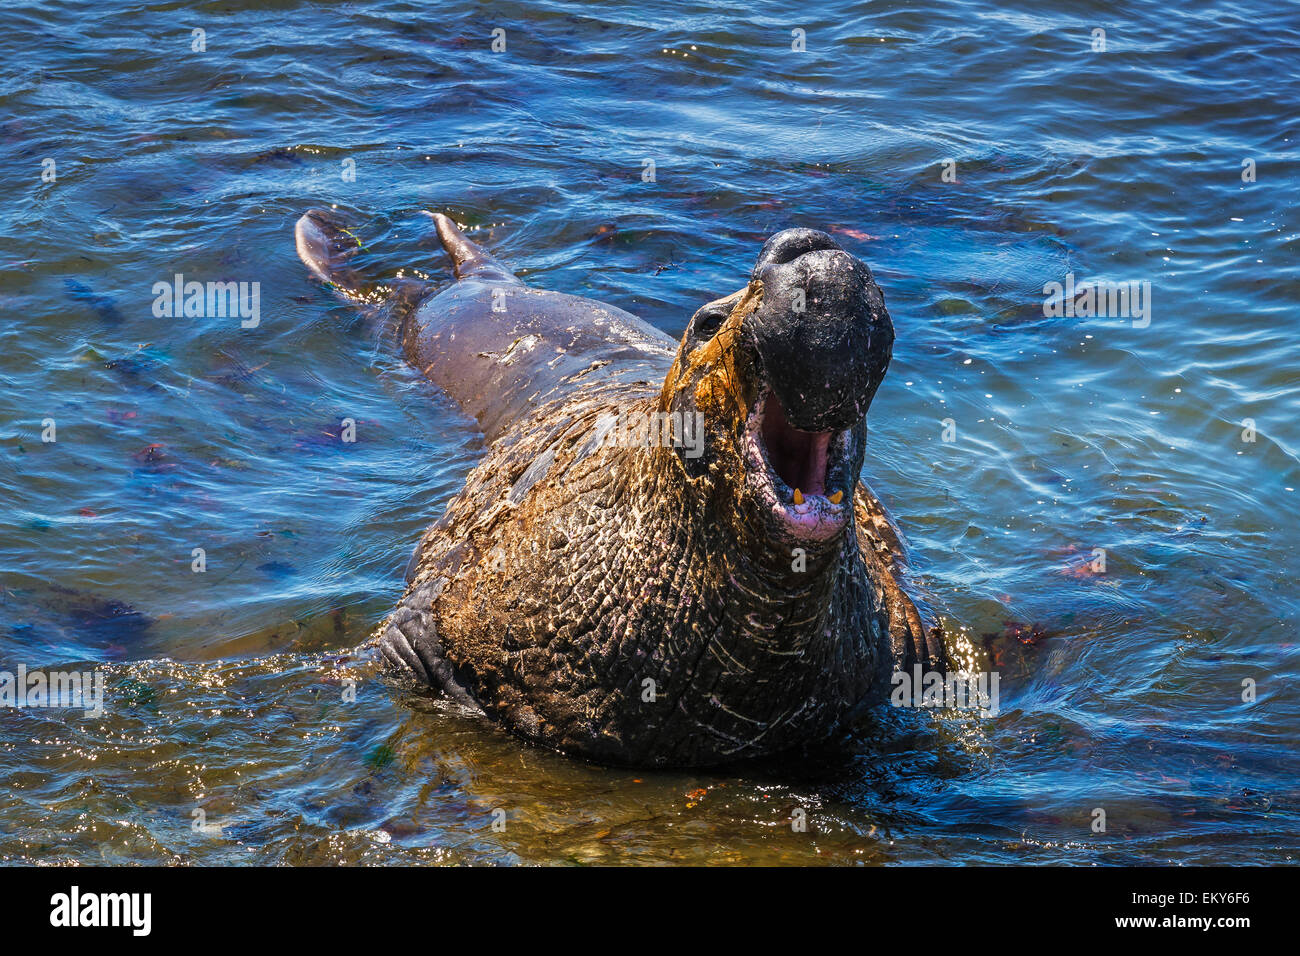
822 332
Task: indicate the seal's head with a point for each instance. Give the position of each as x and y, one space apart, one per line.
780 375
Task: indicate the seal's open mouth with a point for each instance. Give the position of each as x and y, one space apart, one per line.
802 478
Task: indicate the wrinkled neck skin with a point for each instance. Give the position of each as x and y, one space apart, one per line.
733 585
628 603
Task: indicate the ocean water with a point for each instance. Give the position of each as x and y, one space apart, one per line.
1112 526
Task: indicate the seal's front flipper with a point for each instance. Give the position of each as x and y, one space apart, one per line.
408 641
469 260
914 636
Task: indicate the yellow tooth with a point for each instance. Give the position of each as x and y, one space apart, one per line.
798 497
837 497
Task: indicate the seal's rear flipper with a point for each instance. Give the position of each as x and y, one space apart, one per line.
328 248
468 259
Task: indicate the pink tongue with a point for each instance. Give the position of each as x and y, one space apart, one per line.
799 457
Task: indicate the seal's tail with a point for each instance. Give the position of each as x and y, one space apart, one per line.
468 259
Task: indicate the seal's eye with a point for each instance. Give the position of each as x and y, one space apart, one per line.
706 323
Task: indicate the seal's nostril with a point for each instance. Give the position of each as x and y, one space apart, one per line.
790 244
822 334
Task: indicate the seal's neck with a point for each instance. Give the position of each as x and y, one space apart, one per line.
748 639
706 523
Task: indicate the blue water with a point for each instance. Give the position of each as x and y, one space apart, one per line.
1120 691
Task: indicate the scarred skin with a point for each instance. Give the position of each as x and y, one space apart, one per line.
634 603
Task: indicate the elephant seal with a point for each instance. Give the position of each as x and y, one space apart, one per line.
666 557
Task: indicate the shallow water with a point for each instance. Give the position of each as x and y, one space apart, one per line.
1119 690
